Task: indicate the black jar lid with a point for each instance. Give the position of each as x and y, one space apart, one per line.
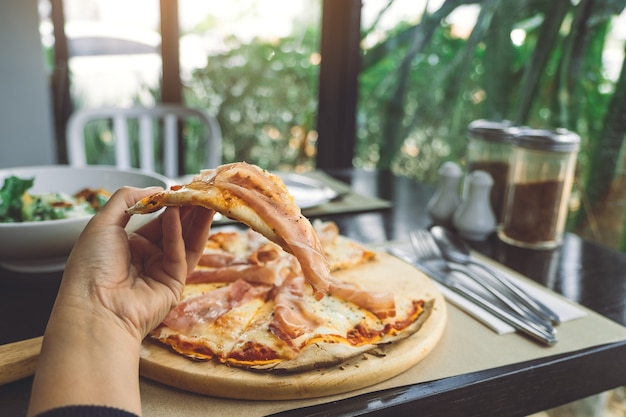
557 140
491 130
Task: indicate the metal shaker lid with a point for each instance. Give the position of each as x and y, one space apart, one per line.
491 130
557 140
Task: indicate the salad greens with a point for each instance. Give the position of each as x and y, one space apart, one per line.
11 198
17 205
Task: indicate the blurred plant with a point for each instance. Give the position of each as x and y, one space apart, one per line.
264 94
534 62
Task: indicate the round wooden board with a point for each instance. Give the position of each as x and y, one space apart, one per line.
385 272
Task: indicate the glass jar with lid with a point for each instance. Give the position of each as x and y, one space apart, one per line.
539 187
489 149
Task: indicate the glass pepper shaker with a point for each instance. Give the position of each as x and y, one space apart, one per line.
539 187
489 149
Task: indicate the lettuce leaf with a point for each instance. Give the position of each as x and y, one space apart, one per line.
11 198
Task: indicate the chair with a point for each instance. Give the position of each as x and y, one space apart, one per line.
148 118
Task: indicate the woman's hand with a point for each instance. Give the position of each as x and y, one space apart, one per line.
136 279
115 289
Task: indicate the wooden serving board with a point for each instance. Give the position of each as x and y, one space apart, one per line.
19 359
385 273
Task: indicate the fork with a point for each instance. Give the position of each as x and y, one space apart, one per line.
449 281
426 249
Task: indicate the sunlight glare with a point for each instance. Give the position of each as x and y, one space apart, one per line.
518 36
315 58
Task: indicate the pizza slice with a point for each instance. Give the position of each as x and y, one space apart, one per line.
209 320
259 199
341 252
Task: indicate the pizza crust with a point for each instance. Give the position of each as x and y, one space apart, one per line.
322 355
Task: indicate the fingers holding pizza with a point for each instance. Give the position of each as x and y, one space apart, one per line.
115 289
136 277
259 199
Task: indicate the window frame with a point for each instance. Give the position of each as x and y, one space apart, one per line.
338 78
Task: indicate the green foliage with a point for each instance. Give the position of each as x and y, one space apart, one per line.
413 121
535 62
264 95
549 80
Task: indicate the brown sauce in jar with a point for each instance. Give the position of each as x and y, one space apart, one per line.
534 211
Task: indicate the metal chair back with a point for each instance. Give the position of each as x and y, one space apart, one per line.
169 114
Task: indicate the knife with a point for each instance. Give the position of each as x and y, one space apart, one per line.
447 280
532 303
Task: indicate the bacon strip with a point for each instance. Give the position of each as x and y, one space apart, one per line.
209 306
265 254
217 259
381 303
327 232
292 315
258 199
257 274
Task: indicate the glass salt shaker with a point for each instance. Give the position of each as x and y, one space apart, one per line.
489 149
539 187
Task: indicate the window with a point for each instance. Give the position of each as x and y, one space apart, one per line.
252 64
259 77
425 70
430 68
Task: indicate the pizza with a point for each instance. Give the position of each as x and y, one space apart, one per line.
266 298
248 305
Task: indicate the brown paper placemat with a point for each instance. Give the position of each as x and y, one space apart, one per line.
466 346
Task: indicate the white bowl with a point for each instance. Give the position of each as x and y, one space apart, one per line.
43 246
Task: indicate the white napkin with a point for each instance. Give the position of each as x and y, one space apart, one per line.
565 309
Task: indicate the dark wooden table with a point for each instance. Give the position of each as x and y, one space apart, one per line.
582 271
